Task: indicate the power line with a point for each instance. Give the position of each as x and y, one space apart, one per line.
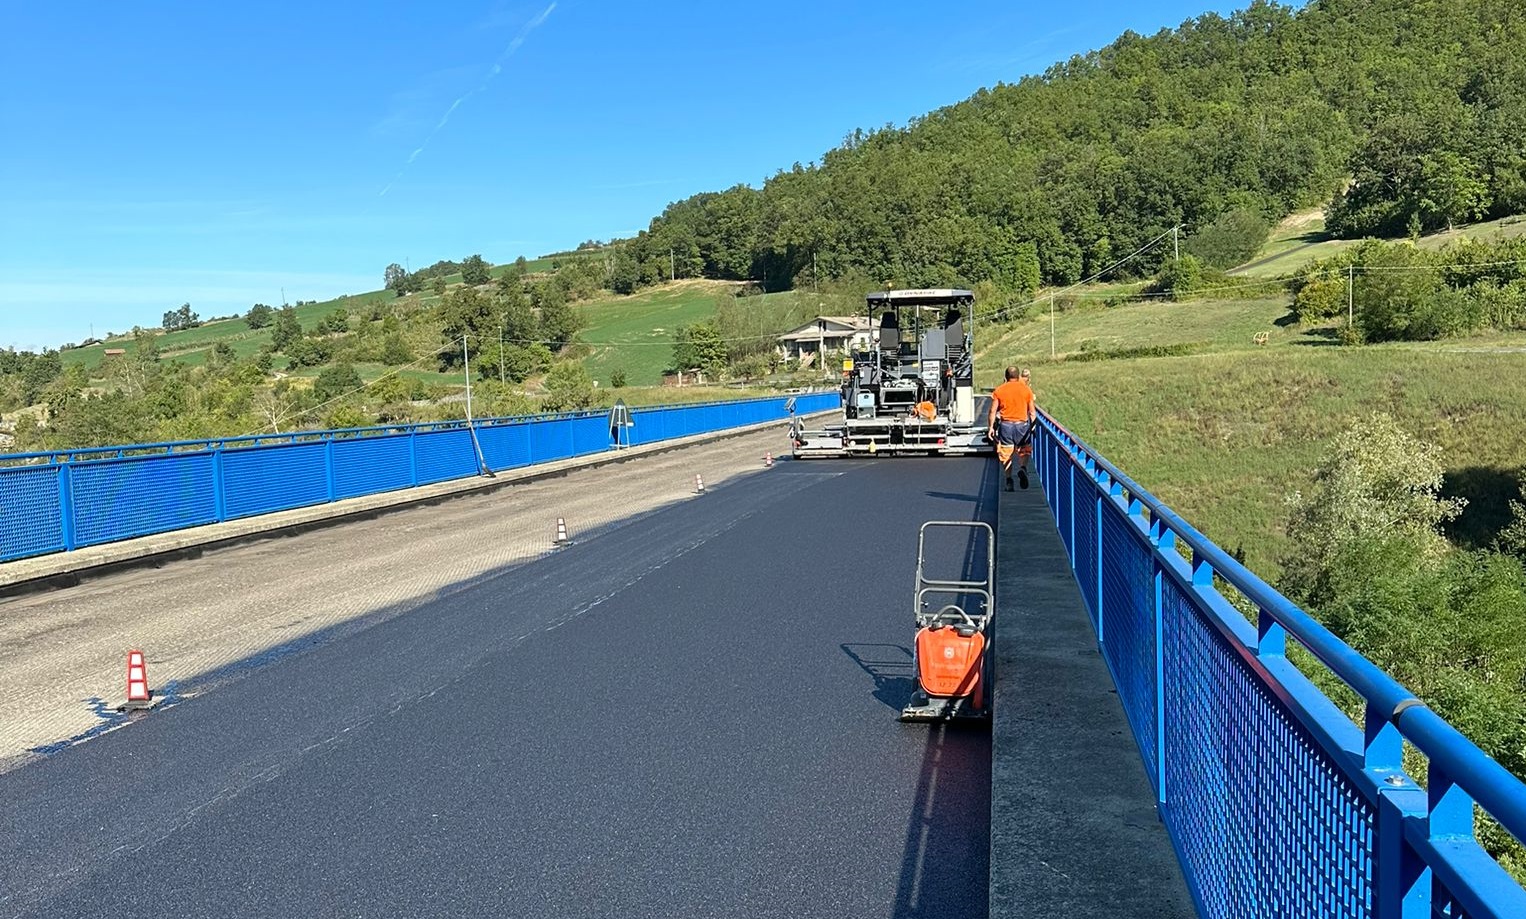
1127 258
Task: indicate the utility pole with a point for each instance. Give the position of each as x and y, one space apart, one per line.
1350 295
1176 241
821 344
471 428
813 272
466 361
1052 325
672 266
501 378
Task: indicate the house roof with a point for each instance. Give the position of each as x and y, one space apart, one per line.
836 327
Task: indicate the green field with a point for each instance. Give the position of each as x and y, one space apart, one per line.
635 333
1224 434
1301 239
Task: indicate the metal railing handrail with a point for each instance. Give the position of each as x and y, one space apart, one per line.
157 448
1493 786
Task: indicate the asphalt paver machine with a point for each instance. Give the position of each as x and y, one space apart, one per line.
951 663
912 390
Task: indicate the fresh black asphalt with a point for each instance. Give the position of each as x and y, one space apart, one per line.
690 715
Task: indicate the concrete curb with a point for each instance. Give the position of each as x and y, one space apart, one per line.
67 569
1074 827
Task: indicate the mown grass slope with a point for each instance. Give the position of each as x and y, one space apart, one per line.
1224 434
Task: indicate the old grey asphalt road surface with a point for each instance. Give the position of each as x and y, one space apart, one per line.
692 714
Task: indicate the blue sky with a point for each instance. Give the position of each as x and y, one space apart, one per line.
167 151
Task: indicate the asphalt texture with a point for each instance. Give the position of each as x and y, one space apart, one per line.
202 619
690 715
1075 831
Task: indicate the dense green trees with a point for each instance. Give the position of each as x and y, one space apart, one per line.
183 318
1399 292
1221 125
259 316
473 269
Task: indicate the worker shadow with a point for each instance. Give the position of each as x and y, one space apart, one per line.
953 496
889 665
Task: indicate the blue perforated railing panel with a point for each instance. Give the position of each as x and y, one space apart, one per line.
1128 611
261 480
367 465
444 455
1085 552
590 435
1266 824
506 446
121 498
30 520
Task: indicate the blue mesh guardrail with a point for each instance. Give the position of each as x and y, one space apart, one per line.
59 501
1277 803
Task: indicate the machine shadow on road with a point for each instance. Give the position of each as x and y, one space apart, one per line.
889 665
945 870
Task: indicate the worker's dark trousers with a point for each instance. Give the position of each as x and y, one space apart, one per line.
1012 437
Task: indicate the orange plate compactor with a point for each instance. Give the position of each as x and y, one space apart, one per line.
952 669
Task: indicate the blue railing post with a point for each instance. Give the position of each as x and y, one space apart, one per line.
328 465
1070 529
413 455
1401 887
66 502
1164 540
219 496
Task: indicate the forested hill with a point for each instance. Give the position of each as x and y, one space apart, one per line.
1409 114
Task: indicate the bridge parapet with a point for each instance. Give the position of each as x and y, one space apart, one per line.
65 500
1277 802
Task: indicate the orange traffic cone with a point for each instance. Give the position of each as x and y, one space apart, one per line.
768 459
138 696
699 484
561 532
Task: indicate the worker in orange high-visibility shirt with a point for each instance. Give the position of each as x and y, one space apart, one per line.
1012 418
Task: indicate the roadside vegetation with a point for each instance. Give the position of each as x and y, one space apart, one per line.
1380 485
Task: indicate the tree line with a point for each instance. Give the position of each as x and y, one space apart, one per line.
1395 291
1403 115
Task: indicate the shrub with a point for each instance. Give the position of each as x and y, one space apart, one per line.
1377 480
568 388
1232 239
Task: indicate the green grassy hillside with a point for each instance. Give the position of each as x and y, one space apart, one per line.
1225 432
1301 238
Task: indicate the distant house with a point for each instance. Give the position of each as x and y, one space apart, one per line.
115 352
691 377
829 333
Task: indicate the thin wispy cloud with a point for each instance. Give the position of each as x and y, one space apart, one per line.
493 71
1035 51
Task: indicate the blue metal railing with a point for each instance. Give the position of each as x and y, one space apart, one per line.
60 501
1276 802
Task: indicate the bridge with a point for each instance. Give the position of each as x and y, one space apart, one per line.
385 690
